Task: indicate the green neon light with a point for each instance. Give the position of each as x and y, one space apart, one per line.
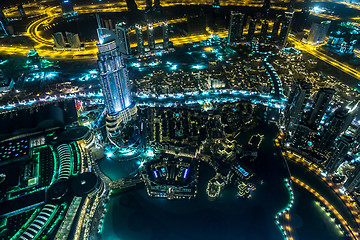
55 170
26 225
286 209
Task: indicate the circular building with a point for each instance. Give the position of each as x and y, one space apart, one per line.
71 134
84 183
58 190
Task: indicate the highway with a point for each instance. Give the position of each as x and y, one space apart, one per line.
311 49
49 14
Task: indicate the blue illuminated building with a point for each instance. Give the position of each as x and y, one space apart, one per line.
115 82
165 28
67 7
297 100
139 39
322 101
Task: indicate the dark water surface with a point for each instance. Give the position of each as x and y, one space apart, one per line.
135 216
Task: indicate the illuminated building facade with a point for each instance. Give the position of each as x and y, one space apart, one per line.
318 32
297 99
165 28
122 32
344 38
322 101
236 26
263 33
140 39
67 7
285 28
151 37
59 40
338 123
73 40
353 180
276 27
338 154
251 31
115 83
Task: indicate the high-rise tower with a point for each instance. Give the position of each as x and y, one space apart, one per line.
151 37
59 41
276 27
263 33
251 31
318 32
165 28
122 32
67 7
140 39
294 109
236 26
322 101
115 83
338 124
285 28
338 154
353 180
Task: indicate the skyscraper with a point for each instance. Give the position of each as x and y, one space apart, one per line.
122 32
338 123
322 101
276 27
165 28
73 40
115 83
294 109
338 154
318 32
300 18
285 28
353 180
301 135
236 26
151 37
140 39
263 33
59 40
67 7
251 31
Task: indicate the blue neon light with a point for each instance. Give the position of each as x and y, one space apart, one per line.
186 172
155 174
242 171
